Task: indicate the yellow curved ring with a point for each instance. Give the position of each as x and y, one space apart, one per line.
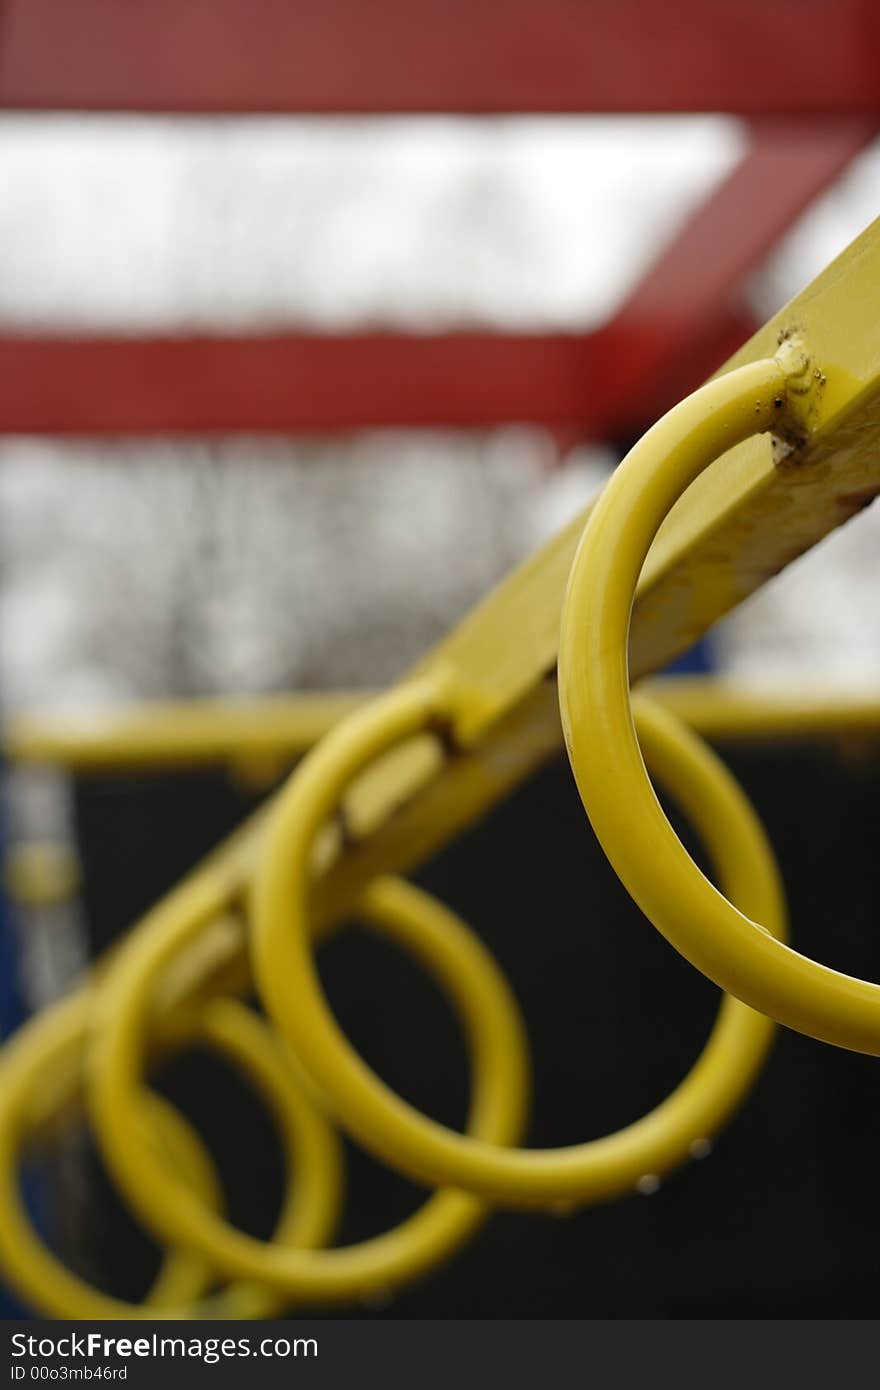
381 1120
500 1088
729 944
49 1044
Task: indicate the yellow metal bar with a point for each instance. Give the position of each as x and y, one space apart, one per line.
752 512
497 1046
179 733
40 873
289 986
723 708
278 729
734 950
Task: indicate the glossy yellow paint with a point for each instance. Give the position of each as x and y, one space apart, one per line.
424 1149
732 948
272 731
499 1101
485 716
748 515
58 1043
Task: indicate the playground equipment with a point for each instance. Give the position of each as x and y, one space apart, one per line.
748 472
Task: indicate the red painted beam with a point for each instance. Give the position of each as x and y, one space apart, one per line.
310 383
369 56
679 323
291 384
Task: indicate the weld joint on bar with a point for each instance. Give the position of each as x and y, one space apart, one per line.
798 402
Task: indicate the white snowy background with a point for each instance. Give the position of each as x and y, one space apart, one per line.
134 569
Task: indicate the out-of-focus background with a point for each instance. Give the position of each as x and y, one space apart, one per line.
403 405
140 568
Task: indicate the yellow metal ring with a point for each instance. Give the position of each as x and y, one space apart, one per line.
56 1042
381 1120
499 1099
729 944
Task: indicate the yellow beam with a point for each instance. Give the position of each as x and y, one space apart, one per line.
188 733
277 730
728 709
751 513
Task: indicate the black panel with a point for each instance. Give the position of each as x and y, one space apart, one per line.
779 1221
